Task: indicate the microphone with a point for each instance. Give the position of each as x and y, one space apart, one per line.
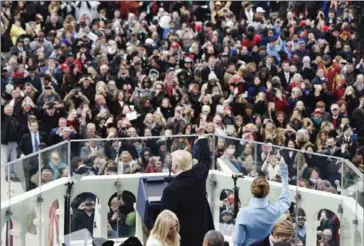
169 165
238 175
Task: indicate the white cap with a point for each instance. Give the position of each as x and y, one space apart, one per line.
149 41
206 108
306 59
260 10
188 59
212 76
9 88
111 50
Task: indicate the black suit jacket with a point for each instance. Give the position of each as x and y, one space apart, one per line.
205 72
6 121
283 79
263 242
25 145
186 196
273 70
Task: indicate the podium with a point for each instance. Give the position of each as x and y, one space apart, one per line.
150 191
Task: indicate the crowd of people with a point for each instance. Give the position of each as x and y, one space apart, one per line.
287 73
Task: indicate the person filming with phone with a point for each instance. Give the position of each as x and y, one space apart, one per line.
83 217
256 221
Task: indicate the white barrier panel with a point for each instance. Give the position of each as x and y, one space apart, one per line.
104 187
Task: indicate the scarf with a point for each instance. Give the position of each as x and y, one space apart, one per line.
150 126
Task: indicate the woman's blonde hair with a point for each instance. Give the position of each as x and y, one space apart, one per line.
126 154
163 223
319 142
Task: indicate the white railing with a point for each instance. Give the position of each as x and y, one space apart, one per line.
21 207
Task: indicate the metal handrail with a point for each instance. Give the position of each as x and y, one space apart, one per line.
135 138
49 148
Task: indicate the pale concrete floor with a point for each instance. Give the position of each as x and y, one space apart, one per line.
11 189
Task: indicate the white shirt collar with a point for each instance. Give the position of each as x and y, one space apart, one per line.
270 241
93 149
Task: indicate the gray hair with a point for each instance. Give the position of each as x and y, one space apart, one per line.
214 238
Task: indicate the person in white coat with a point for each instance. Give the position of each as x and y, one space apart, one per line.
88 8
165 231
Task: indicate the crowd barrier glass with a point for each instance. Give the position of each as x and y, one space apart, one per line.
103 157
20 172
53 163
353 194
306 170
5 183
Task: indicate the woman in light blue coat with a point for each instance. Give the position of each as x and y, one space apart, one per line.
256 221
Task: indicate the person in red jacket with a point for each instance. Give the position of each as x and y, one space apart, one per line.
251 39
331 70
127 7
280 102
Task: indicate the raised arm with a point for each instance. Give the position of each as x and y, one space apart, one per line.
284 201
201 152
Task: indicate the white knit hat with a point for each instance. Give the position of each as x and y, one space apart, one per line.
212 76
9 88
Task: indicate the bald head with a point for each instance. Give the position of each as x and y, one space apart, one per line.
213 238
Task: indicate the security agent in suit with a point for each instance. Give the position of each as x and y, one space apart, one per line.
30 143
186 194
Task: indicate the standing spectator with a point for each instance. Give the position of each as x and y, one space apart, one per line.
9 140
29 142
192 229
83 217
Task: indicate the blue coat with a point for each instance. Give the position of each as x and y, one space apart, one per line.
256 221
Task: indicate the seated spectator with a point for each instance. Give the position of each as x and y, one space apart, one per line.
46 176
270 167
155 165
90 152
180 143
55 163
126 164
